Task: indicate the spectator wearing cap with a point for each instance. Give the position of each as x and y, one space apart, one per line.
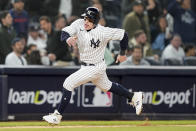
15 58
34 37
137 20
7 34
184 20
20 17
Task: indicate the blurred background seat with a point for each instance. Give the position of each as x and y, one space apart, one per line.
190 61
172 62
153 62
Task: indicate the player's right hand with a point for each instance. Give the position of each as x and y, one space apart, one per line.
71 41
121 58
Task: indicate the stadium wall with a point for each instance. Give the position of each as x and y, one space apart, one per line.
27 93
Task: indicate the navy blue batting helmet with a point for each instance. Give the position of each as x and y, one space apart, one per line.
93 14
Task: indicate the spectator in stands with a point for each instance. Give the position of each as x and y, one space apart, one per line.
23 40
7 34
136 58
20 17
35 37
129 50
158 36
189 50
112 12
51 8
137 20
35 9
154 10
65 8
126 7
174 50
164 5
102 19
55 48
141 40
184 20
79 6
33 56
15 58
30 48
60 22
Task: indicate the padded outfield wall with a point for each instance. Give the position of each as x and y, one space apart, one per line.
27 93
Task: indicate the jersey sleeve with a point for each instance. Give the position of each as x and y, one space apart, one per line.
73 28
114 33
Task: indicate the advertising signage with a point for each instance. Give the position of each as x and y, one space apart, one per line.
163 94
42 95
35 91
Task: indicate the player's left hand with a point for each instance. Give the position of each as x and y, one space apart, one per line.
121 58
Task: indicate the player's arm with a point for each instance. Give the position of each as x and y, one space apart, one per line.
123 46
69 32
65 37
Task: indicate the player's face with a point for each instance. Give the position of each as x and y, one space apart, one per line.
88 24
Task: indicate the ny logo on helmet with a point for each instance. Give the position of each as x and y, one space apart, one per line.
95 44
89 12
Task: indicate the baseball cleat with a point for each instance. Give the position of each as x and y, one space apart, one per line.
137 102
54 118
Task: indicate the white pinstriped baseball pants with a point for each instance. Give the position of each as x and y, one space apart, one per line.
96 74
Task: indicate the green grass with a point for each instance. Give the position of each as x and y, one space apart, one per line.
99 123
111 129
134 126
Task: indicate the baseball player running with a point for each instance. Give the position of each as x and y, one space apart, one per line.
91 39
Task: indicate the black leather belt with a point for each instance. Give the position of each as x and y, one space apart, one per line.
87 64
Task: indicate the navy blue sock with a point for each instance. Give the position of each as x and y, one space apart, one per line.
64 100
121 91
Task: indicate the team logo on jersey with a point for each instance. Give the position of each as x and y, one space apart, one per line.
95 44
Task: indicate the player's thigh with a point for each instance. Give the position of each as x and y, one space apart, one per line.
103 82
80 77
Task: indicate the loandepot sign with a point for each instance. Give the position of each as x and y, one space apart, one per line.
39 97
168 98
156 98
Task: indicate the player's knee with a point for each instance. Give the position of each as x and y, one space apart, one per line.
68 86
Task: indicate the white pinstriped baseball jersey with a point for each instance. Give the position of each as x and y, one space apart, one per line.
92 43
91 46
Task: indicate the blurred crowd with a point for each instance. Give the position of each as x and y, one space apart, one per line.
161 32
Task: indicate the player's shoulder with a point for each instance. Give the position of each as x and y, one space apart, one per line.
78 21
106 29
103 28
